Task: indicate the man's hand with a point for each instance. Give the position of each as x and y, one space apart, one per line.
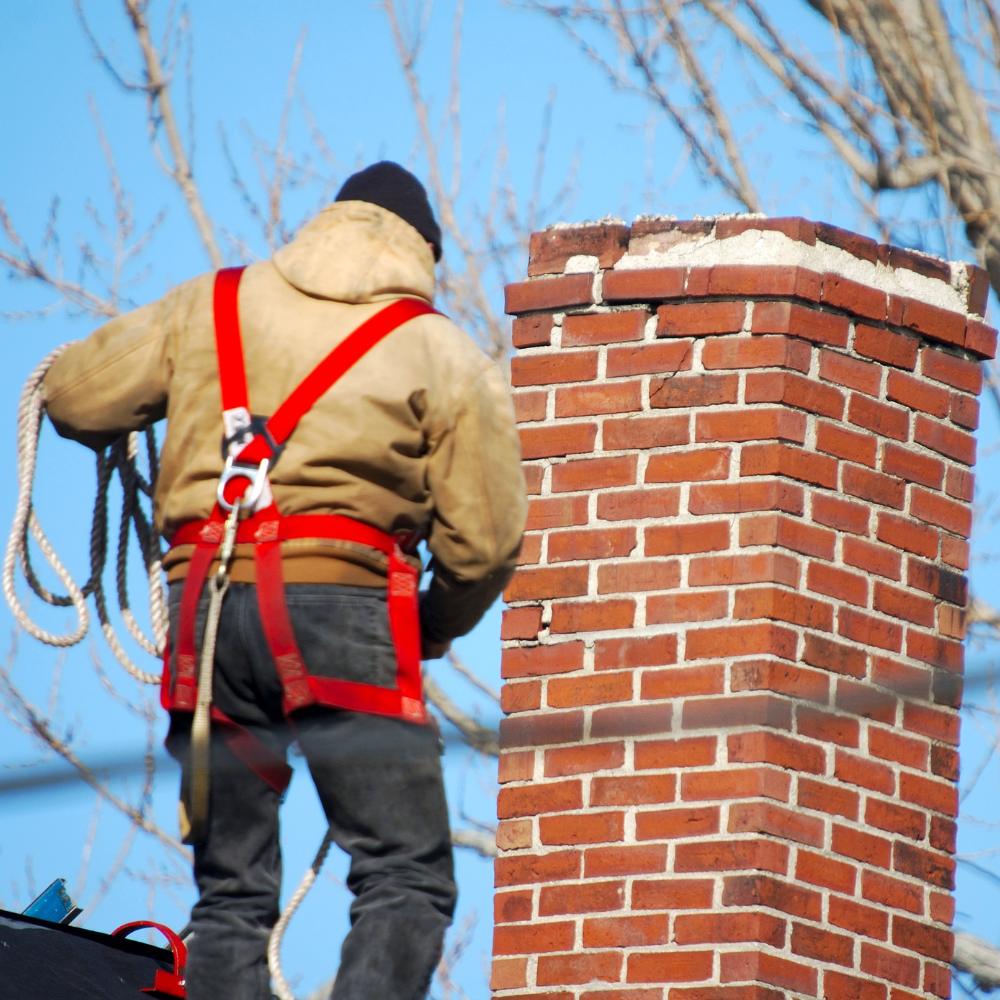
431 650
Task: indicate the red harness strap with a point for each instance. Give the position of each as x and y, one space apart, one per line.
267 528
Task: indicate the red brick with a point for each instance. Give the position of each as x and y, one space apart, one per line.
921 263
764 818
941 324
742 352
901 678
818 725
639 859
689 391
826 579
772 748
532 661
595 689
643 284
584 330
682 539
819 870
894 818
549 293
931 579
891 745
738 710
523 697
524 869
760 965
862 300
850 372
964 411
893 348
795 228
668 824
511 907
562 761
944 834
959 373
801 321
650 359
550 249
794 390
759 567
652 651
854 916
631 576
874 486
565 970
625 932
940 796
530 406
980 339
594 473
556 512
689 466
959 483
537 937
581 828
782 678
878 559
728 928
687 318
864 847
740 640
822 944
697 751
546 369
735 783
870 630
788 533
604 397
913 466
626 505
669 966
552 796
631 720
864 773
902 533
793 463
929 866
842 443
532 331
672 894
592 543
581 897
947 514
742 497
755 280
509 973
521 623
831 655
645 432
592 616
680 682
538 584
945 440
533 483
633 789
783 605
903 604
516 765
861 247
886 964
731 855
776 894
541 729
942 907
833 799
698 606
918 394
880 418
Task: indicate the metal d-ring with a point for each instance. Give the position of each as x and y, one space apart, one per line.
235 470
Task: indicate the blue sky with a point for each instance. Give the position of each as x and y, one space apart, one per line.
623 163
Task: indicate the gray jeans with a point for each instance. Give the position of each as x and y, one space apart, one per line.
380 784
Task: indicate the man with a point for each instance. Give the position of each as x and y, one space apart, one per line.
409 437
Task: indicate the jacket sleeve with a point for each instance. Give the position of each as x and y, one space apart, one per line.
113 382
475 478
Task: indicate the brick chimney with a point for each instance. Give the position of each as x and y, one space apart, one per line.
733 653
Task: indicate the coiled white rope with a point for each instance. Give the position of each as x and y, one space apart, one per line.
120 458
278 982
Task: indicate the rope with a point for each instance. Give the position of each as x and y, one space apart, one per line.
121 458
278 982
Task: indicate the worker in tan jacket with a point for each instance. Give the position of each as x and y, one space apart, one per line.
403 434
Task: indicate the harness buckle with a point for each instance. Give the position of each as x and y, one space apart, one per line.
252 494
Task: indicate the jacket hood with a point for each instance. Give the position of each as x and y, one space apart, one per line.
354 251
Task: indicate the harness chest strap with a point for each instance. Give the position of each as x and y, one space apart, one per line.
267 528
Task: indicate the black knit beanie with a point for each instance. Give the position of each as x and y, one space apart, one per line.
396 189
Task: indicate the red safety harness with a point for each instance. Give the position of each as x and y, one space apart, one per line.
252 446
